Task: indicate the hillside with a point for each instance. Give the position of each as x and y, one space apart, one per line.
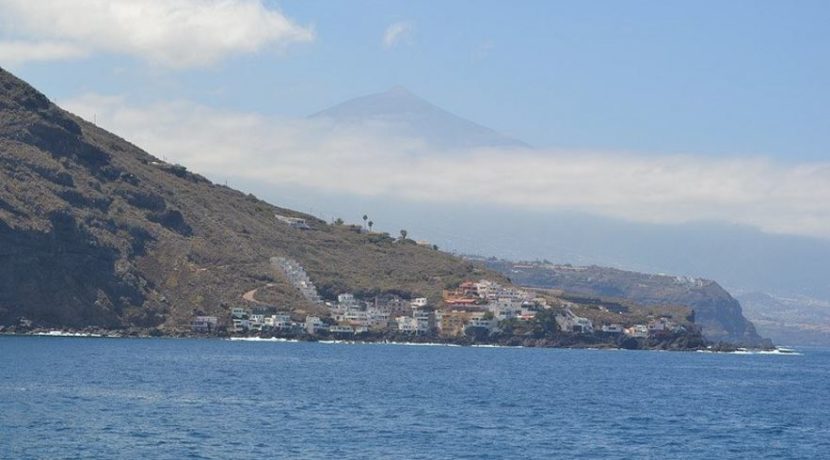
95 231
716 312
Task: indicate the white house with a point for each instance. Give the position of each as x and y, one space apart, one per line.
358 318
313 324
241 325
638 330
412 325
612 328
569 322
204 324
345 299
419 302
377 318
407 324
296 222
506 308
424 318
337 329
277 320
478 320
660 325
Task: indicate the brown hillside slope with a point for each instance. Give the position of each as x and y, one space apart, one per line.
94 231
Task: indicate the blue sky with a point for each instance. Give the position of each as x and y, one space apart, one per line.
740 78
650 111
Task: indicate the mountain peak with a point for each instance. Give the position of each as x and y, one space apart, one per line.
399 90
405 114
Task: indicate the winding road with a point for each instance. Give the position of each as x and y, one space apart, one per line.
250 296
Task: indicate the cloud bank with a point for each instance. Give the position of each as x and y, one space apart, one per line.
15 52
779 198
172 33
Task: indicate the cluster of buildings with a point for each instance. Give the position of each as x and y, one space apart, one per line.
379 315
384 314
656 327
482 306
298 277
570 322
485 304
350 317
261 319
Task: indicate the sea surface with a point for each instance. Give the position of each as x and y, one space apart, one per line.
190 398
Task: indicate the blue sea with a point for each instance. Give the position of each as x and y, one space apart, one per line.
190 398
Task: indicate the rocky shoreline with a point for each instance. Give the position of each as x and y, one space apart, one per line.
675 342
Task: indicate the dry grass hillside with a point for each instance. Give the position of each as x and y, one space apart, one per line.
95 231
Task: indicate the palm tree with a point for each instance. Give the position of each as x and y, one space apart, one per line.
370 225
403 234
365 218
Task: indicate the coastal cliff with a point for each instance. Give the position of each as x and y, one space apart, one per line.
716 311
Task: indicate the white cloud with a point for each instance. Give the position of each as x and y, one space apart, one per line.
397 32
791 199
173 33
15 52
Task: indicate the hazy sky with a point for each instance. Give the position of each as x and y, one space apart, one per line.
651 111
714 77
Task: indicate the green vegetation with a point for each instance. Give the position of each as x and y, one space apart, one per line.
544 324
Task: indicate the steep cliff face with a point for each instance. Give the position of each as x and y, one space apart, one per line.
94 231
716 311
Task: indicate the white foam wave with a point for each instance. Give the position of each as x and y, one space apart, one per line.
262 339
67 334
488 345
780 351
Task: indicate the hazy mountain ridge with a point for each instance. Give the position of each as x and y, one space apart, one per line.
94 231
401 113
717 312
796 320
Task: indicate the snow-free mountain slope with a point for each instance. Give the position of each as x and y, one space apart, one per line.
399 112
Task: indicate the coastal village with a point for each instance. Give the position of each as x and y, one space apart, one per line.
475 309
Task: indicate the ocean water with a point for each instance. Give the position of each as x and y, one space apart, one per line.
178 399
